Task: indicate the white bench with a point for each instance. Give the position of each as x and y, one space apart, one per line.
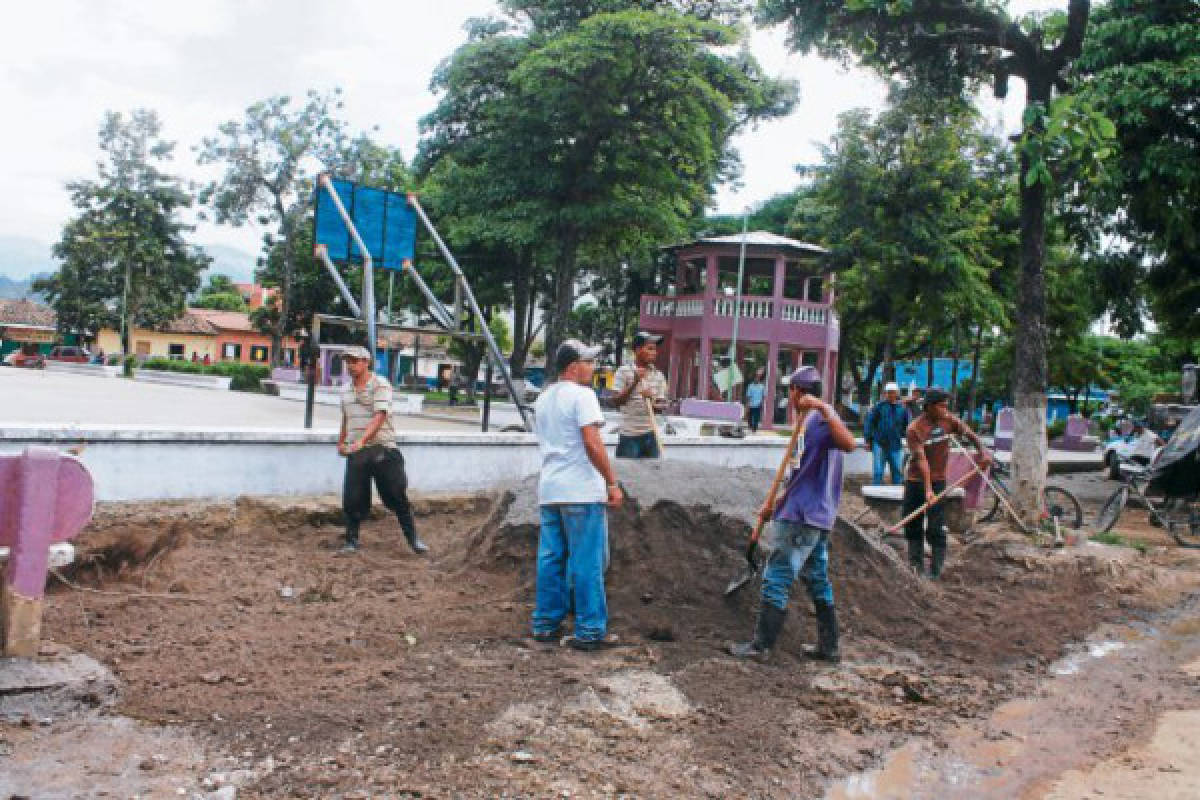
94 370
219 382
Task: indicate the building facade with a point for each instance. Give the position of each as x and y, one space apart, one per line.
24 323
784 317
219 336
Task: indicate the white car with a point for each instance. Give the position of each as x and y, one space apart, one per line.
1118 450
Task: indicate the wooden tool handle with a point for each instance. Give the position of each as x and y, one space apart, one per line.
801 424
654 425
937 498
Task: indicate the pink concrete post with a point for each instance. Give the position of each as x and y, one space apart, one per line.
45 498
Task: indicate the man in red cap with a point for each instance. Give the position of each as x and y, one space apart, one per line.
801 521
928 439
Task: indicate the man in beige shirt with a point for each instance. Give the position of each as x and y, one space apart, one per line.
634 385
368 441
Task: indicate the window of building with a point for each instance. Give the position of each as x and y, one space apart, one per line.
141 348
259 353
289 356
793 282
175 351
231 352
816 290
809 358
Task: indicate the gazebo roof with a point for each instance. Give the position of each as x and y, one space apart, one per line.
760 239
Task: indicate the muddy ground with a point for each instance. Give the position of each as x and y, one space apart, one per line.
294 672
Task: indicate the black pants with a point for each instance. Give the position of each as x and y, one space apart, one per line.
386 466
641 446
755 418
932 524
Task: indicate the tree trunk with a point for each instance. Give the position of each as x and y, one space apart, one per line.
975 370
955 350
1029 354
929 359
889 343
564 298
285 285
521 301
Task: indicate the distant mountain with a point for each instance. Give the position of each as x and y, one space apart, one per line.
237 264
20 288
21 257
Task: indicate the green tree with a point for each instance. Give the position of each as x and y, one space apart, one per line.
270 158
953 45
471 352
1141 67
125 261
220 294
596 126
908 210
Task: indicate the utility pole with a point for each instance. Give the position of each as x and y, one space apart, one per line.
737 304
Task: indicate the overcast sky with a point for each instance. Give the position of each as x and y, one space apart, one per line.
67 61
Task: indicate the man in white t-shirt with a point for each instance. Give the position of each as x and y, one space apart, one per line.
1145 444
576 482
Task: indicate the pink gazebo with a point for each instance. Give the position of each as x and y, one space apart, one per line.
786 315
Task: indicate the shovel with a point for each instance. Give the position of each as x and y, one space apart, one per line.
752 548
654 426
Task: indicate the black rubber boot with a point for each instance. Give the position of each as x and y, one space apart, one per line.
827 635
351 544
939 560
916 555
410 535
770 622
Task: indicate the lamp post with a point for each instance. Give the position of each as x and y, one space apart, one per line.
737 304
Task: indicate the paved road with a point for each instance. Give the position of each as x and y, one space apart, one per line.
36 396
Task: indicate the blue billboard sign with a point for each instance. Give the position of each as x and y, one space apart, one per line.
385 221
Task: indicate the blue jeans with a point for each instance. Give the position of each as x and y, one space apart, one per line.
572 549
891 458
796 549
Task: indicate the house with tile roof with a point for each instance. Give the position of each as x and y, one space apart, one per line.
221 336
24 322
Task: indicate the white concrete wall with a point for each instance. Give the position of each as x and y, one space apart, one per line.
135 463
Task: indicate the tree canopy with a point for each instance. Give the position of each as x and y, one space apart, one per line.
125 259
598 127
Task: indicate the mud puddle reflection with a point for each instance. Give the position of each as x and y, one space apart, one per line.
1094 702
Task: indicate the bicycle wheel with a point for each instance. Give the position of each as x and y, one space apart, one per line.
1187 533
1062 504
1110 512
994 509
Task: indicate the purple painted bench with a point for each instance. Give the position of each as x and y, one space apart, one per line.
45 498
1005 423
1075 437
695 413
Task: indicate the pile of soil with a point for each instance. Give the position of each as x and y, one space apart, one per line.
389 673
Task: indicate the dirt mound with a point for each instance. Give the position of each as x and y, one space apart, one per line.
675 544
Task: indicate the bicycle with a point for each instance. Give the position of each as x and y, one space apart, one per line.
1057 502
1174 514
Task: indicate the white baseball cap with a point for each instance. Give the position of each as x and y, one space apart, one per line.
891 387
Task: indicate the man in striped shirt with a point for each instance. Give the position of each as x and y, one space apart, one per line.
368 441
634 385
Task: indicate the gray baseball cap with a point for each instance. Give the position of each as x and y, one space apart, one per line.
573 350
357 351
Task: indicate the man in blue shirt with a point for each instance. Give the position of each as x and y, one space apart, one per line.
884 433
754 398
798 536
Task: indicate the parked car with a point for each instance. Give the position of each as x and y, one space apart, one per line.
1119 450
70 354
27 356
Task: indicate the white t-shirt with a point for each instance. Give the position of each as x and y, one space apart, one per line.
567 476
1146 444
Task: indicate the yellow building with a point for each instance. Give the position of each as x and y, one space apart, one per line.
178 339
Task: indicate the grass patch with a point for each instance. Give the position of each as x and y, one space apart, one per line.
1117 540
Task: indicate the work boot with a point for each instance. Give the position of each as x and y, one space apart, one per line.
414 541
939 560
827 635
350 547
916 556
770 622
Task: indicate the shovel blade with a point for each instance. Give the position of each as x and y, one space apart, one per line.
741 580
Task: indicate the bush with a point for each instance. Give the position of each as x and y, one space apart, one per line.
1056 428
129 364
245 377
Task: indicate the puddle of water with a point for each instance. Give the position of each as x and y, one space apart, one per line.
1073 663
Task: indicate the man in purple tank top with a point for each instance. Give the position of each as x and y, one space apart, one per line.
798 536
